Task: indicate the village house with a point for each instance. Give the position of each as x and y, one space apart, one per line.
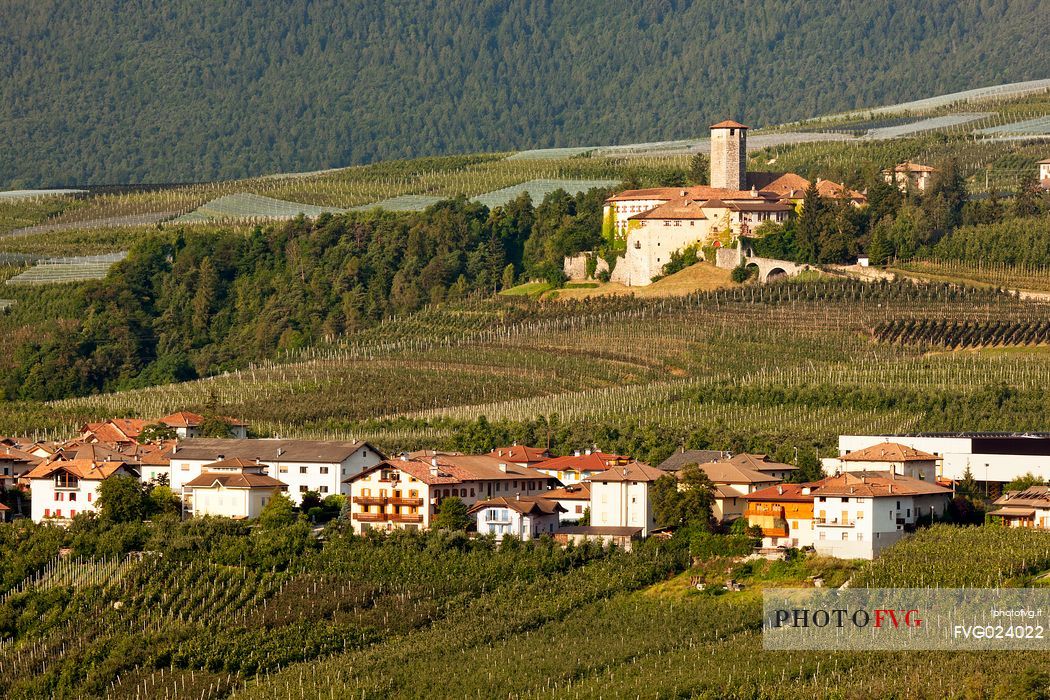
303 465
574 499
859 514
406 492
620 498
732 483
1044 173
887 456
785 514
232 488
1028 508
580 465
14 465
187 425
115 431
4 511
63 488
909 175
521 517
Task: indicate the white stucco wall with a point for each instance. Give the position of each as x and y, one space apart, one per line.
621 504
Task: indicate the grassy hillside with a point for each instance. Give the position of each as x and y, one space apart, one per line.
176 91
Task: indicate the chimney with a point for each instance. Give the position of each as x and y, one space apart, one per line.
682 193
806 490
517 497
780 490
890 486
576 453
588 450
503 467
404 457
279 452
433 461
433 470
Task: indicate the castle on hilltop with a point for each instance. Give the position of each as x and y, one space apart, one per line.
651 224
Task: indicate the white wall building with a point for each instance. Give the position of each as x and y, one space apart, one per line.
580 465
620 497
406 492
304 465
858 514
991 457
893 457
62 489
522 517
232 488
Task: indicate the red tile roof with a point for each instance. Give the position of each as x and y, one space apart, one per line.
908 167
521 453
695 192
877 485
789 493
888 452
681 208
729 124
80 468
593 462
450 468
235 481
526 505
576 492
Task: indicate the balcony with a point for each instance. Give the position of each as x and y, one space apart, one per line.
371 500
398 501
833 522
371 517
405 517
764 513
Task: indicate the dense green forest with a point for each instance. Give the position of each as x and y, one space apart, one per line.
108 92
195 302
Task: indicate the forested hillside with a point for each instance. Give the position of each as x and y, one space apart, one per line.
153 91
194 302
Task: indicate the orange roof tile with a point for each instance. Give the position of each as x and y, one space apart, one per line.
877 485
576 492
593 462
888 452
80 468
521 453
681 208
729 124
235 481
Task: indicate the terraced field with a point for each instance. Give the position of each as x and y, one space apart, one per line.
66 270
1039 126
245 205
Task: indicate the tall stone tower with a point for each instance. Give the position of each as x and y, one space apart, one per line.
729 155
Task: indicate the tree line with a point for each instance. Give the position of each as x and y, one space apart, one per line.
189 303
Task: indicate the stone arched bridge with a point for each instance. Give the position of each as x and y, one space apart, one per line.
768 268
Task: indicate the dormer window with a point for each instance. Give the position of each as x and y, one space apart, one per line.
65 480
